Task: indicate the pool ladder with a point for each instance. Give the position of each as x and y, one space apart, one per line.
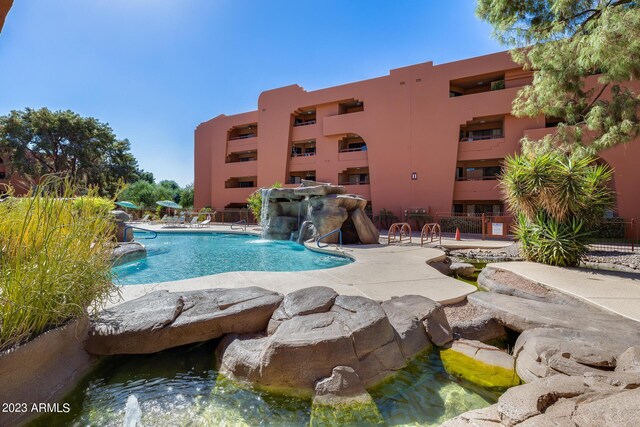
337 230
155 234
242 222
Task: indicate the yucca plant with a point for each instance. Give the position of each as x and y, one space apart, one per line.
55 259
558 196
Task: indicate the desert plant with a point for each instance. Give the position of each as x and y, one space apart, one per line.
558 196
254 201
55 259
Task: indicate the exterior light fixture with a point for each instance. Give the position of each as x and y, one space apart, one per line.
414 176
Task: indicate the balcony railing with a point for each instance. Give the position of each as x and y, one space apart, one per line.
307 123
481 137
351 150
480 178
302 154
250 135
363 182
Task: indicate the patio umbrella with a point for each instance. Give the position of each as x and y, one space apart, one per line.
127 205
169 204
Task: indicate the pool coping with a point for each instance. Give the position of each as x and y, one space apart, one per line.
379 272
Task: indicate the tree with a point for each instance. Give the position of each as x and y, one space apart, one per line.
558 197
62 142
146 176
173 187
145 194
186 196
582 53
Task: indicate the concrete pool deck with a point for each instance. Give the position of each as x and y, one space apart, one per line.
379 272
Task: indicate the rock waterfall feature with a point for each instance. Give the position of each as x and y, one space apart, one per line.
327 207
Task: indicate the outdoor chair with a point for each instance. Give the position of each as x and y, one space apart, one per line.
194 221
204 223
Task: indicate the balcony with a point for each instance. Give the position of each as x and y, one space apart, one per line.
242 132
354 176
482 129
351 106
297 177
476 190
241 182
343 124
305 117
476 84
241 157
303 148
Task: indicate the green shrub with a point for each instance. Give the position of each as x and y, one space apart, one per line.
55 259
93 205
254 201
548 241
559 197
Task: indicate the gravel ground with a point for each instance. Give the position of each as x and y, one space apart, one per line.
614 259
604 259
462 310
518 282
509 253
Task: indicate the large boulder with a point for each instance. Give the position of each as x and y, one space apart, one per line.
281 227
128 252
123 234
480 363
418 322
342 398
327 217
463 269
521 314
367 231
500 281
309 335
163 319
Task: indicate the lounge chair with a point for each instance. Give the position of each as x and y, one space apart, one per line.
145 218
204 223
194 222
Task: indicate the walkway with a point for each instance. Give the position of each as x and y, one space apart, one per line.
379 272
618 292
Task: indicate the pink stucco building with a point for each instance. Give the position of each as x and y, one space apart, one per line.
425 136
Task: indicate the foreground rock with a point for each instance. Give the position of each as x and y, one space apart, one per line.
521 314
479 363
545 352
463 269
163 319
307 338
128 252
560 401
342 399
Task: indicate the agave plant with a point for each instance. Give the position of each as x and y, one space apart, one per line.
558 197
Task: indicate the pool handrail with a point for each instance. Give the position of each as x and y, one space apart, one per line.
243 222
155 234
337 230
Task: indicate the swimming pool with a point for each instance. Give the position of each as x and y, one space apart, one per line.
176 256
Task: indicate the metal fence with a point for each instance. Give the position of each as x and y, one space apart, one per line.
228 215
615 234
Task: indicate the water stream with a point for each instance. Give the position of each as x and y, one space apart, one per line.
264 211
181 386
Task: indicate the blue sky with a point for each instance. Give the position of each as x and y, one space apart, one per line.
155 69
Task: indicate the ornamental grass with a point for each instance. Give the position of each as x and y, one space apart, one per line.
55 259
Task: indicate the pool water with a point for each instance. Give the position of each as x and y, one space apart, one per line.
176 256
182 387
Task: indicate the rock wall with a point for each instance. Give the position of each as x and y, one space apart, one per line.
327 206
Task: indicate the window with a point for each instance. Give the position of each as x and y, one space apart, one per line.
246 184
